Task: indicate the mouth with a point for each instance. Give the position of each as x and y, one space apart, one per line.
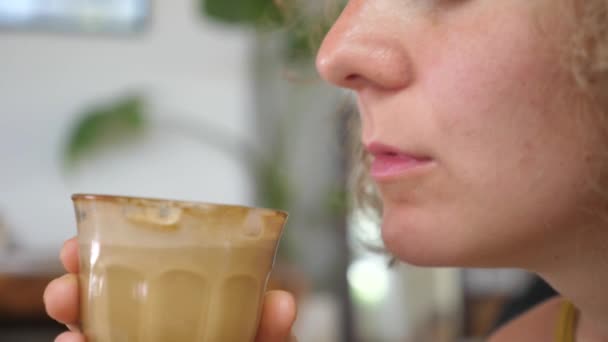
390 163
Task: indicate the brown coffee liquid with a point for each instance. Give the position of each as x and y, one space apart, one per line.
188 294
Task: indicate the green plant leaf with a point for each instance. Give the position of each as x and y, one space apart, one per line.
303 39
273 186
103 125
248 12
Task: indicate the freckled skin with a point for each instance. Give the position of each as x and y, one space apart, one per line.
479 86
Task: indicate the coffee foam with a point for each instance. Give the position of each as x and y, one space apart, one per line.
157 223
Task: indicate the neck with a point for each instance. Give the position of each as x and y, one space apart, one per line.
579 272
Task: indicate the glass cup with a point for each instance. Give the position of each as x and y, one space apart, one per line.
156 270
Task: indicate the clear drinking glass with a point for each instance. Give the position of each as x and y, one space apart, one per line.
155 270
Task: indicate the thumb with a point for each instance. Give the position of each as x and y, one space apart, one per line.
278 316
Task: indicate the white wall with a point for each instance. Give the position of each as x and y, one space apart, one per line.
188 65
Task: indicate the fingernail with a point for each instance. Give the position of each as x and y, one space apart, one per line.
61 251
73 327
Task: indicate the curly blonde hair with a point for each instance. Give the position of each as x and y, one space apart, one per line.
590 47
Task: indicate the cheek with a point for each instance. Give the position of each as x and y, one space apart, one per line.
498 114
479 83
493 94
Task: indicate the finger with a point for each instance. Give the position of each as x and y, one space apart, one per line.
73 327
69 255
61 299
278 317
70 337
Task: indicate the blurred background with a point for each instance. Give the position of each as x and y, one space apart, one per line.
216 101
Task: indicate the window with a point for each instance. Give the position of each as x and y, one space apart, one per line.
113 16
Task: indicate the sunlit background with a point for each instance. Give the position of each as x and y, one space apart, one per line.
191 99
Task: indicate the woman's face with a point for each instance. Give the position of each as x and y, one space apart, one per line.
482 157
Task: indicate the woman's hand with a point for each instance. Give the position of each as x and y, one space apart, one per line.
61 302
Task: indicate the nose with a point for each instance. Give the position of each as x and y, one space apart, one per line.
363 49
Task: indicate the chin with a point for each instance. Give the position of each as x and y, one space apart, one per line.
419 242
410 241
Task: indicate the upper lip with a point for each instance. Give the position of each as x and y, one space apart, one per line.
381 149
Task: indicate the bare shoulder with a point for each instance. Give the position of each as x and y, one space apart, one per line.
536 325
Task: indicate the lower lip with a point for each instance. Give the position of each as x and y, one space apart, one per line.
386 167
